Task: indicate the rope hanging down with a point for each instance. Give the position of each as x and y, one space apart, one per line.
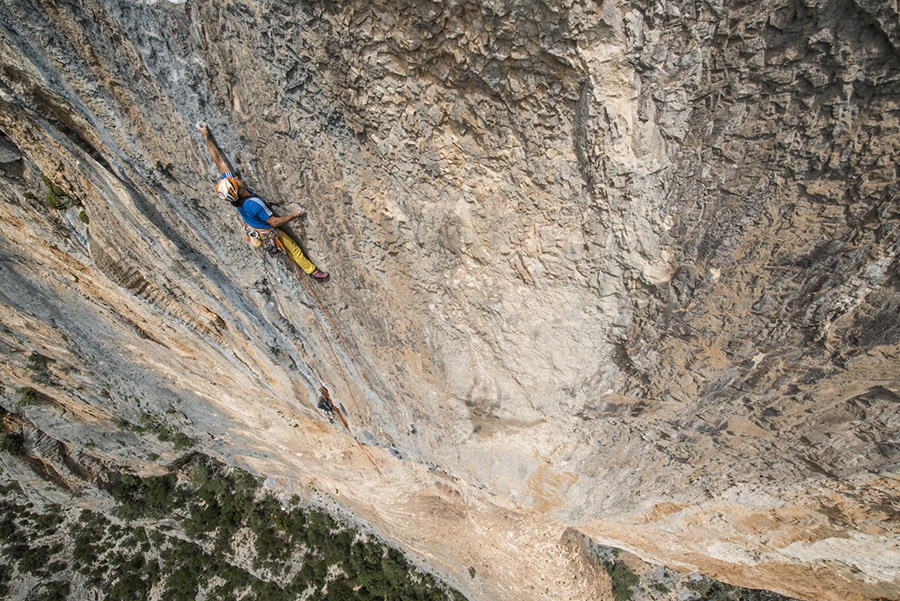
330 406
296 271
325 395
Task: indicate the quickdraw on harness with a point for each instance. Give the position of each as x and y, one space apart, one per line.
268 239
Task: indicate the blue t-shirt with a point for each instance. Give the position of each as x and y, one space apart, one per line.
255 212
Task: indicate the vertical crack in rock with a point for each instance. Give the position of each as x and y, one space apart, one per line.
581 131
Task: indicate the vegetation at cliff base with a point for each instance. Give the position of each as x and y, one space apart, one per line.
707 589
13 443
203 530
635 580
623 578
623 581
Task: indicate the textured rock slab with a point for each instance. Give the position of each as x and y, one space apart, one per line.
589 261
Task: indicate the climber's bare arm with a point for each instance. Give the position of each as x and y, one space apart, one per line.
279 221
214 151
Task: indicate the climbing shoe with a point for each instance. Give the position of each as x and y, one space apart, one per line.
318 274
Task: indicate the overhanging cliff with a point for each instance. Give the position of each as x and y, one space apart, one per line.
629 268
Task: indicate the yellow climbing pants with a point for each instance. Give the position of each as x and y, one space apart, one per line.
294 252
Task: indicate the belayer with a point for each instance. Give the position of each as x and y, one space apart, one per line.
260 222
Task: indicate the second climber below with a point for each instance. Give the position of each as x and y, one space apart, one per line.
260 221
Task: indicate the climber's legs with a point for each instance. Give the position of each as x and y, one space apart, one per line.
294 252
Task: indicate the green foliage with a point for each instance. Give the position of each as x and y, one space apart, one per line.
136 577
38 364
55 590
144 497
49 520
181 441
56 201
216 507
56 198
149 424
83 217
8 526
188 565
707 589
13 443
273 548
28 396
623 579
32 560
88 535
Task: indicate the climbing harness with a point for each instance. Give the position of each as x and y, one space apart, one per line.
267 239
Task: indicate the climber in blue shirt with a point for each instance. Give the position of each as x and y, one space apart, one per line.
255 212
261 223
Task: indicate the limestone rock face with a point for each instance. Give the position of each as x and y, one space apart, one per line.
629 268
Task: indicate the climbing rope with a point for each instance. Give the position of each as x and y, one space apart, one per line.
326 396
354 360
275 294
295 269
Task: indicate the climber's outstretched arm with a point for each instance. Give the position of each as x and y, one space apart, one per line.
212 148
279 221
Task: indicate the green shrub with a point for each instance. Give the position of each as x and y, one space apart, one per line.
188 565
149 423
13 443
8 528
32 560
707 589
56 198
49 520
56 201
144 497
55 590
213 506
28 396
623 580
136 577
38 364
182 441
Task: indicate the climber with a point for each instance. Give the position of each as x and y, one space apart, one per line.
260 223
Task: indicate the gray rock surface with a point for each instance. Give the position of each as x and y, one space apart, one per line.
624 267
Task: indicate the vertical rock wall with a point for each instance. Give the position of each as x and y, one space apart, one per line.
625 267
